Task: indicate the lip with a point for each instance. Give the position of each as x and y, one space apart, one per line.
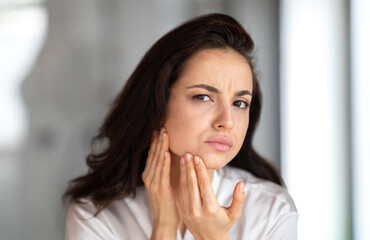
220 143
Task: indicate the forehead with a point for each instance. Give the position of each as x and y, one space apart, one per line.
217 67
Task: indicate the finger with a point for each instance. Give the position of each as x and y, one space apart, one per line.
166 171
184 199
205 185
160 160
166 141
149 159
158 146
236 207
155 156
192 184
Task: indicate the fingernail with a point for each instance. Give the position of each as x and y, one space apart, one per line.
182 161
196 160
188 157
162 129
241 187
163 136
165 154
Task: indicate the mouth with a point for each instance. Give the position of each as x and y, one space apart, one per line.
220 143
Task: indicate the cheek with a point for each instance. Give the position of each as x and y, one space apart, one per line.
181 130
182 138
242 132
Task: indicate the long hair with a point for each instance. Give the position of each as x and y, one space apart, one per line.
139 109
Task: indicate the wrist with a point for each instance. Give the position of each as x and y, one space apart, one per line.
164 231
220 237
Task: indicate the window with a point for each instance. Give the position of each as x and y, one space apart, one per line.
23 27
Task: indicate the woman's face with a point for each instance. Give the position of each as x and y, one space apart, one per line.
208 110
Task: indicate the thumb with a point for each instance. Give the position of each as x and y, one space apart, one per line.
236 207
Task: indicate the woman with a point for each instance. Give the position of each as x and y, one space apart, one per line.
178 161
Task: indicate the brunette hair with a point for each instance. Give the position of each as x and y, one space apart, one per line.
139 110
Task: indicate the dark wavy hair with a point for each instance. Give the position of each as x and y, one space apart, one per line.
140 108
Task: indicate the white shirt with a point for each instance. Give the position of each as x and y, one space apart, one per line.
268 212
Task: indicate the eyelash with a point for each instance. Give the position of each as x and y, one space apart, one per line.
200 97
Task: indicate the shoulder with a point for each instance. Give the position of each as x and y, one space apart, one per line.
120 219
85 209
82 208
83 223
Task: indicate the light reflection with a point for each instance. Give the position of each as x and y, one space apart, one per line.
360 85
313 130
22 34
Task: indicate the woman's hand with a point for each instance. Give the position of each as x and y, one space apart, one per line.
198 205
156 177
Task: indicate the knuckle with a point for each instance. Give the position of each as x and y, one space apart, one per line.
143 175
203 183
166 165
163 146
183 187
161 158
163 190
190 186
210 211
153 186
238 215
151 150
189 167
194 214
145 180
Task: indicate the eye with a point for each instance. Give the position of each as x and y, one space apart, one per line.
241 104
202 97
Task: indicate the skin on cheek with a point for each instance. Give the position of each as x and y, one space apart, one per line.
179 125
179 136
174 126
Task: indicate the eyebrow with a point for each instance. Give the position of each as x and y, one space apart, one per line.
215 90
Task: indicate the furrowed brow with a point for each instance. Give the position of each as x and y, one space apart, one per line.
215 90
242 93
207 87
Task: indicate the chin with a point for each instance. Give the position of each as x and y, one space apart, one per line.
215 162
214 166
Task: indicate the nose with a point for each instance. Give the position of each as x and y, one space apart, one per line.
224 119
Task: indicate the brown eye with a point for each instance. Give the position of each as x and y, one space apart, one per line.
202 97
241 104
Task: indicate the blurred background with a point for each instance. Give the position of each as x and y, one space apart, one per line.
62 63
